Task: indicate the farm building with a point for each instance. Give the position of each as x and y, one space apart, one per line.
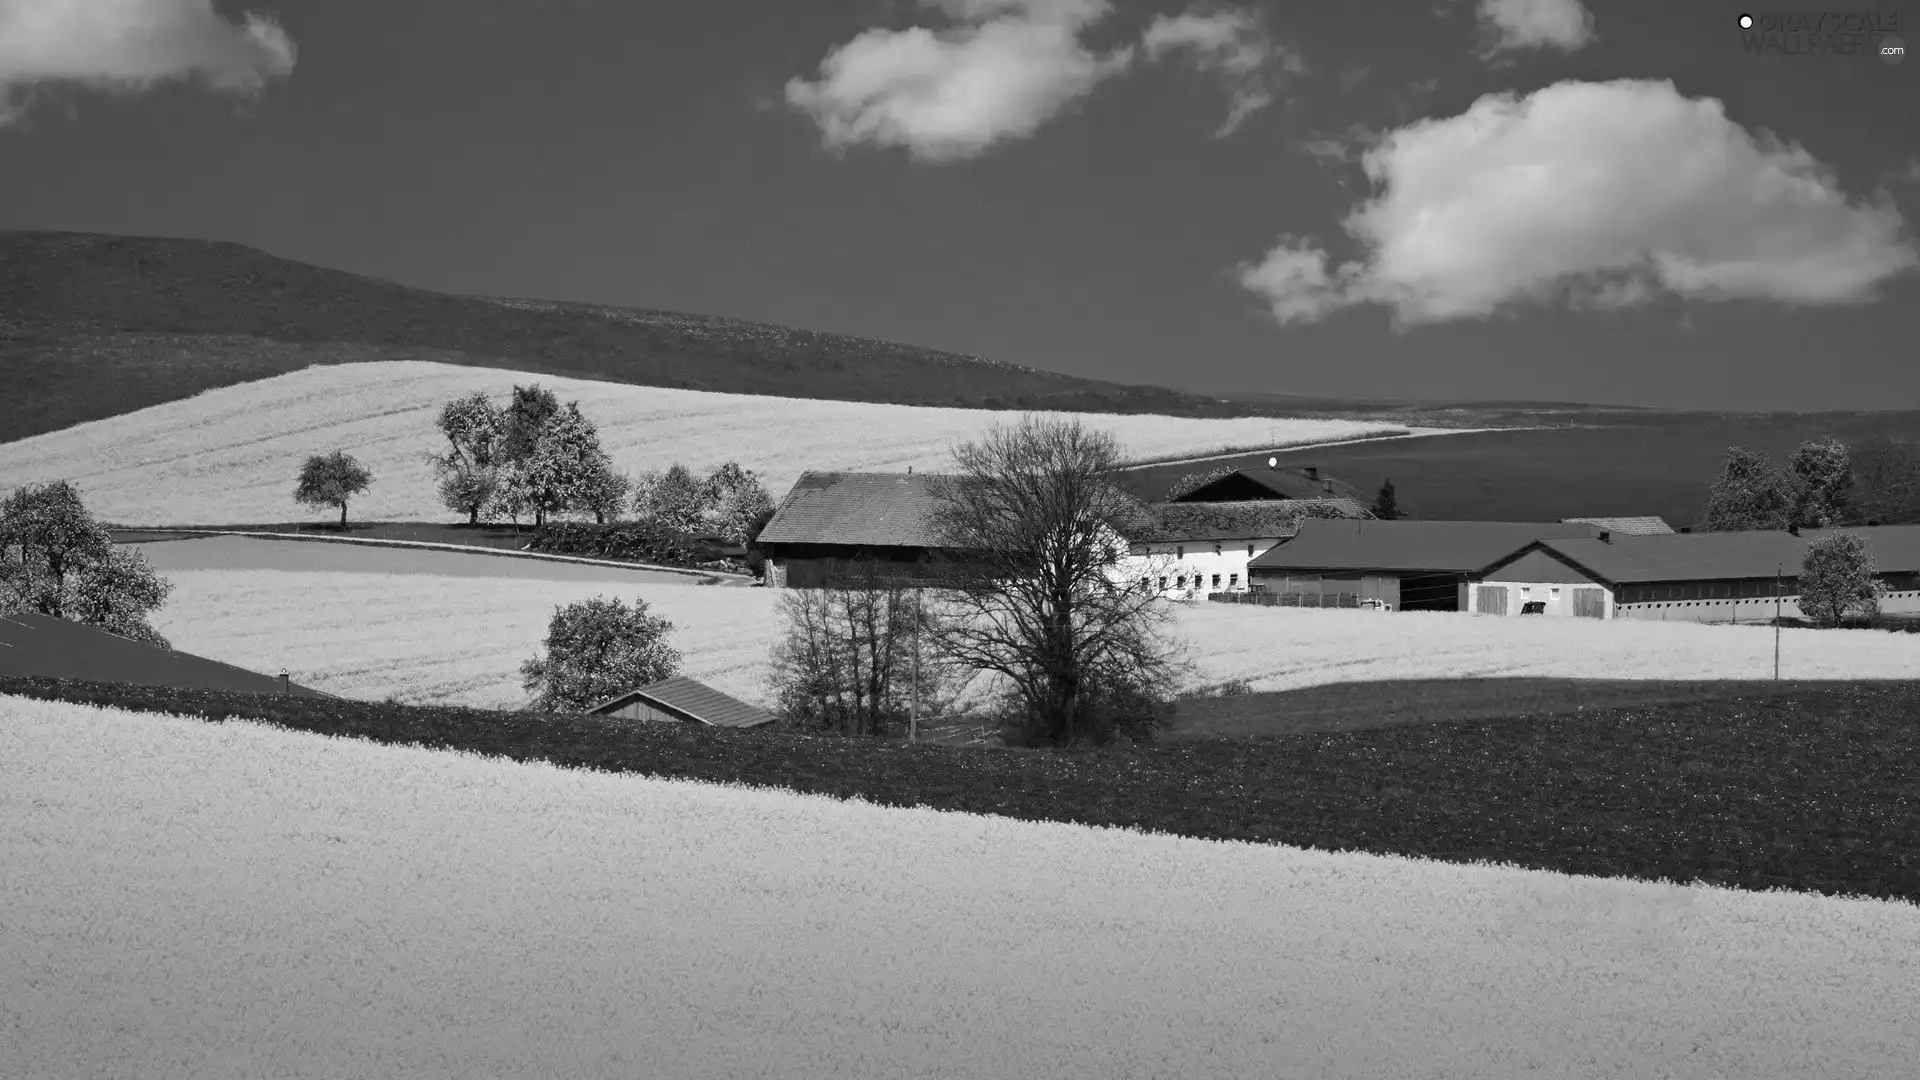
681 700
1196 547
1701 577
1626 526
42 646
1401 565
1273 482
830 520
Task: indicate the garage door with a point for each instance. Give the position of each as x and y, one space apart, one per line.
1590 603
1492 600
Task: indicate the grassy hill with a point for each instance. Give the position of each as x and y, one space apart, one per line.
95 326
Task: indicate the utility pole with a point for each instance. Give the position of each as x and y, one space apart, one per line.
1777 569
913 703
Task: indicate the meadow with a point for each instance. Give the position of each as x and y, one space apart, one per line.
443 639
233 454
234 900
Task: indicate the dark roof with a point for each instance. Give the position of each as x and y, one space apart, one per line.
1282 483
867 509
1715 556
1632 526
692 700
49 648
1249 520
1413 546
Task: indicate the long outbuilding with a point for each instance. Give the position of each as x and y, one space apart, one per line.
1402 565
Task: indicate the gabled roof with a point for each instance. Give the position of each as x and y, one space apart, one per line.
1254 519
45 647
1712 556
1281 483
1632 526
1407 546
691 700
864 509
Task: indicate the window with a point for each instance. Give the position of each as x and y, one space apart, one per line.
1180 582
1216 581
1163 584
1555 592
1249 551
1180 552
1233 580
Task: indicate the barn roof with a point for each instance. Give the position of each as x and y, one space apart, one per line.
1715 556
44 647
1407 546
858 508
1280 483
1632 526
692 700
1247 520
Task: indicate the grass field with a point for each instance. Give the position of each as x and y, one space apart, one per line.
243 553
235 900
1638 463
234 454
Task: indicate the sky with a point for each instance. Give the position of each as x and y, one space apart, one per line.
1613 201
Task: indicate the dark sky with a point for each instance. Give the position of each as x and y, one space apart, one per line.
645 153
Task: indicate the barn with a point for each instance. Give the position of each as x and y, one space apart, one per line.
832 520
1401 565
1273 482
683 700
1699 577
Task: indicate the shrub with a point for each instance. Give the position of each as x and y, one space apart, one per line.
631 541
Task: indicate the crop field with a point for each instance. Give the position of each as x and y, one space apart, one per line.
233 454
459 640
236 900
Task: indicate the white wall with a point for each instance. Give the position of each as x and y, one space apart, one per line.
1558 596
1201 559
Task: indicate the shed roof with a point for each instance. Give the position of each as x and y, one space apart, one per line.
1280 483
693 699
45 647
1631 526
1408 546
857 508
1255 519
1718 556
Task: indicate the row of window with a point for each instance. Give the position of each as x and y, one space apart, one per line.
1181 551
1180 582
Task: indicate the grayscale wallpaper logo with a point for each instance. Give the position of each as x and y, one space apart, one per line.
1824 33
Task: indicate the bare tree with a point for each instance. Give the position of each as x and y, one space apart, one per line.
1037 586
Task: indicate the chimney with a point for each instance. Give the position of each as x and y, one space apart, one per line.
1606 537
909 470
1313 472
286 682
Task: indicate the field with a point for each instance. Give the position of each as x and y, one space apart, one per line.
458 640
234 454
1630 464
235 900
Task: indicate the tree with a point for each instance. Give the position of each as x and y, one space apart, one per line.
676 499
739 503
597 649
1886 480
525 417
55 559
604 491
1838 578
331 480
1193 481
565 462
1752 493
1384 507
1823 483
468 471
845 661
1035 586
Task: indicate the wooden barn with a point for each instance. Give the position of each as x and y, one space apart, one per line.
832 520
1698 577
681 700
1400 565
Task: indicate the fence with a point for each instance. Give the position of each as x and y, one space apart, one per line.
1288 599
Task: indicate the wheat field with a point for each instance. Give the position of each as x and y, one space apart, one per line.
191 900
233 454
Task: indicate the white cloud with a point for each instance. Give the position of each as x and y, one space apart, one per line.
1536 24
130 45
1001 71
1606 194
1230 43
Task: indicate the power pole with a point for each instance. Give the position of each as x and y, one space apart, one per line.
913 703
1777 568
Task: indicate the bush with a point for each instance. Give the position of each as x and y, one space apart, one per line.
631 541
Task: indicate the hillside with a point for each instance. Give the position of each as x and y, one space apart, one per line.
94 326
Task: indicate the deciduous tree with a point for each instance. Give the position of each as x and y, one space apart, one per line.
55 559
675 498
1838 578
331 480
468 471
597 649
739 503
1752 493
1886 480
1822 477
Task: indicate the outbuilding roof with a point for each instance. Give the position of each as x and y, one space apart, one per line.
691 700
1408 546
1718 556
1278 483
1632 526
857 508
44 647
1252 519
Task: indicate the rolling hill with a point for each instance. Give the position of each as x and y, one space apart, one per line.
94 326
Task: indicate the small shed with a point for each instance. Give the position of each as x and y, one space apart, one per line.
683 700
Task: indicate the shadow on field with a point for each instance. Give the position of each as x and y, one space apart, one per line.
1359 706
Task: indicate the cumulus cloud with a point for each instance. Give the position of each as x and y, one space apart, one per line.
1229 43
1515 25
1602 194
130 45
1004 68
